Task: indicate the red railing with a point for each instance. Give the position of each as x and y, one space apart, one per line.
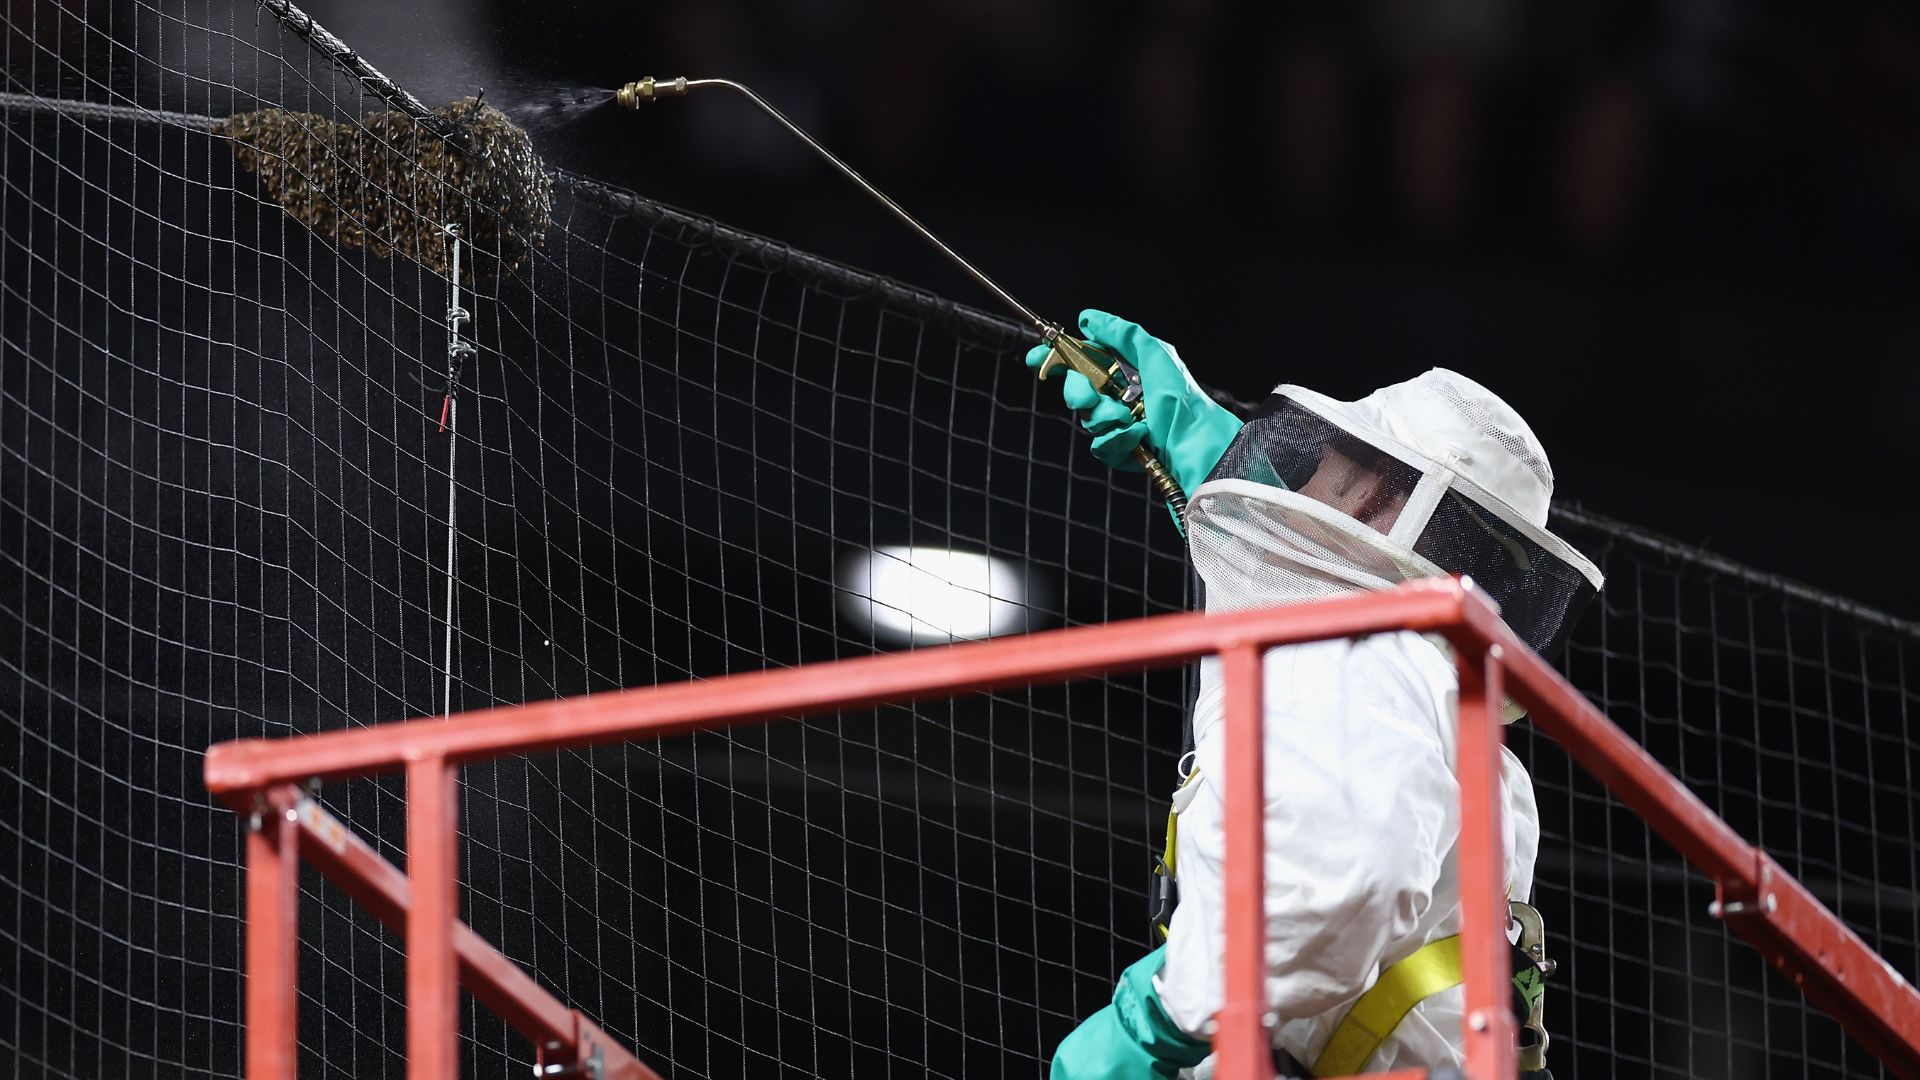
262 778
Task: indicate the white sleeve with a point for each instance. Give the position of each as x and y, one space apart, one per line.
1362 809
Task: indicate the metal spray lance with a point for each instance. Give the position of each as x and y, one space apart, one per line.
1109 374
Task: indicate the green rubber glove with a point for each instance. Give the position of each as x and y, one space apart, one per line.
1186 428
1131 1039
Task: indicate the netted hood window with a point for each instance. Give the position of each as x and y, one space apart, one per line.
1416 515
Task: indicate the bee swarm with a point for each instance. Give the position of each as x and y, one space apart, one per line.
388 185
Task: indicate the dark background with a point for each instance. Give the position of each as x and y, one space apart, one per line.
1679 237
222 496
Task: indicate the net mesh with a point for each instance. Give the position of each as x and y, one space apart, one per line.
229 507
1790 714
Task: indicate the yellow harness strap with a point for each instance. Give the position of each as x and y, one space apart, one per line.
1432 968
1165 868
1429 970
1173 829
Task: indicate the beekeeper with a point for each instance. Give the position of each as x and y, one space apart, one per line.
1311 498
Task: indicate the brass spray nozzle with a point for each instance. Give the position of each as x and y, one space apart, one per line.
631 95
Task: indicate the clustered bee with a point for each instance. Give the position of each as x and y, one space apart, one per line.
390 186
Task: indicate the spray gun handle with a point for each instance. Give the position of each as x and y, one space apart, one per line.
1111 375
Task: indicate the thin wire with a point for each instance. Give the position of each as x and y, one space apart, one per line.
446 655
880 196
456 350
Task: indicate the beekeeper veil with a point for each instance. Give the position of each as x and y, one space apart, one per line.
1425 478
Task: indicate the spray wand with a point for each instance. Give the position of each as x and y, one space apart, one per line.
1109 373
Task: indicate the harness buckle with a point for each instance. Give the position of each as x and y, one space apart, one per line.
1162 894
1531 967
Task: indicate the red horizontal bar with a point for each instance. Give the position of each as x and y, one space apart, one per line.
760 696
493 980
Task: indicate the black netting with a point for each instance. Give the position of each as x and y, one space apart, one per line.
225 511
1791 715
224 498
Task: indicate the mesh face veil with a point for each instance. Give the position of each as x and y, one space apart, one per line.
1428 477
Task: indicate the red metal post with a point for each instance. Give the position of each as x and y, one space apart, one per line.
273 943
1491 1027
433 981
1242 1040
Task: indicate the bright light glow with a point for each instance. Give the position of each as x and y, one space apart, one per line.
923 596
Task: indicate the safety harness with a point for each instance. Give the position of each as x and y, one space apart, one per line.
1431 969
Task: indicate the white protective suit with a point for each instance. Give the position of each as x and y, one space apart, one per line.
1362 801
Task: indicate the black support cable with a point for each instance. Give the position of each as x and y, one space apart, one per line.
341 55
